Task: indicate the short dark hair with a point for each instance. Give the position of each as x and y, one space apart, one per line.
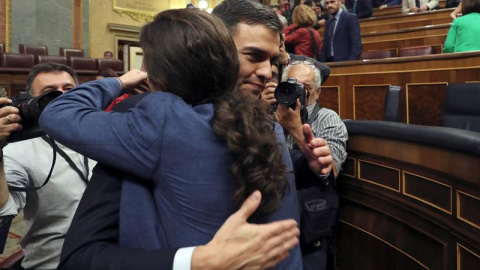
108 52
233 12
50 67
470 6
191 54
106 72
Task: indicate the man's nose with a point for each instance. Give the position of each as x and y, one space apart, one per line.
265 71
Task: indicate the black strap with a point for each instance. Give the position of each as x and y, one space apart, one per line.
314 45
70 162
313 115
23 189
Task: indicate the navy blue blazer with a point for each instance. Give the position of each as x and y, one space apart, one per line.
347 42
363 10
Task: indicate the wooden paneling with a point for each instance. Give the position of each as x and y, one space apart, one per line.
415 186
467 259
442 13
410 33
388 11
467 208
421 21
418 228
380 175
425 76
375 96
425 103
330 98
404 42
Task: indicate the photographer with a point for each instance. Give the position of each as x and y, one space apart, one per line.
330 141
48 211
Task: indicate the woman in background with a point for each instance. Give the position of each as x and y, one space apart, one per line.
301 36
464 33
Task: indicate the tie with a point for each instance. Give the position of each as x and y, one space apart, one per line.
417 3
354 8
332 32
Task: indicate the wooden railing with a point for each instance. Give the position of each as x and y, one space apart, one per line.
409 199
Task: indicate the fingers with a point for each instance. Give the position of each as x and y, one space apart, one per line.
249 205
307 133
5 101
281 242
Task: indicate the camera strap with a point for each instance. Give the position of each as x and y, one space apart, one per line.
312 117
70 161
23 189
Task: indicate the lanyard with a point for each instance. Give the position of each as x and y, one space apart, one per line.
69 160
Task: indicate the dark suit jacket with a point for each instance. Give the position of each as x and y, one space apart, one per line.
363 10
347 42
92 240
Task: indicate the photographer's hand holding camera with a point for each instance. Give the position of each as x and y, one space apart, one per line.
9 122
327 152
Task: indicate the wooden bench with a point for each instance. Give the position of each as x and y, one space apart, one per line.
388 11
434 40
434 14
422 31
420 21
423 80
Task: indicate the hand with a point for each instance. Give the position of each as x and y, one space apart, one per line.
423 8
382 7
290 119
132 78
9 120
321 22
317 152
268 93
240 245
413 9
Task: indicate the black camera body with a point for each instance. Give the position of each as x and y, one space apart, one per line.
30 108
287 94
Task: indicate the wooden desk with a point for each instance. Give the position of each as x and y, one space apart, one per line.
356 86
409 200
434 14
388 11
433 40
420 21
422 31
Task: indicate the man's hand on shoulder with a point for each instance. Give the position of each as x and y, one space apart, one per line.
240 245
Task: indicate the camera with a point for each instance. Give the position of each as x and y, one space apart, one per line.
30 108
287 94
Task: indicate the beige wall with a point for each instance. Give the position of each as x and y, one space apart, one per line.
101 38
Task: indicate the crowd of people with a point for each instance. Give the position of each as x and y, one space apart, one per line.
192 162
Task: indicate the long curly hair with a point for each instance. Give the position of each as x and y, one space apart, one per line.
191 54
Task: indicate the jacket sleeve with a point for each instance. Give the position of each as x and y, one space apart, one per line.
355 39
432 4
121 140
405 6
92 240
292 37
323 55
449 46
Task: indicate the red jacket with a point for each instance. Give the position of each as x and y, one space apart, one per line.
301 39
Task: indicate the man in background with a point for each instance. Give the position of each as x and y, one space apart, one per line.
342 40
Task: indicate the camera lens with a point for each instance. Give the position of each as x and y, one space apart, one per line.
286 94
